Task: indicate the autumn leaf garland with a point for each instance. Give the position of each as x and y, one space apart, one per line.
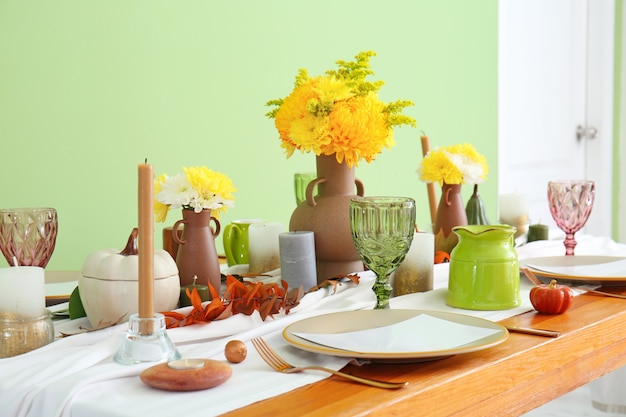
245 297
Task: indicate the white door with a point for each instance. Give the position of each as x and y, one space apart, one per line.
555 77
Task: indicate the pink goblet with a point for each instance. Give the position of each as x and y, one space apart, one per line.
570 203
28 235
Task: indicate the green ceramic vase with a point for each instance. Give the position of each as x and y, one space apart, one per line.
484 270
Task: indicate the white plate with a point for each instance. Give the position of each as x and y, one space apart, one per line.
541 267
350 321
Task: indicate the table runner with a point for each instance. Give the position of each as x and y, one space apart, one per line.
76 376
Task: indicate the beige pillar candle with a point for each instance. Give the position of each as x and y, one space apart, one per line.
264 249
513 210
415 273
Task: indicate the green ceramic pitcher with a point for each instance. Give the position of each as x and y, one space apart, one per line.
484 270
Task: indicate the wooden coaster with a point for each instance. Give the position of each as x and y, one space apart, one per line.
187 374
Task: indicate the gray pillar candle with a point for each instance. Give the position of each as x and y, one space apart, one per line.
297 259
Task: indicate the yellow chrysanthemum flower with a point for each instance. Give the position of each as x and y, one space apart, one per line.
331 89
359 130
199 188
454 164
338 113
311 134
160 209
470 152
293 109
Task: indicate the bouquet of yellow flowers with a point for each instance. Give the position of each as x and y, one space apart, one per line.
338 113
455 164
197 189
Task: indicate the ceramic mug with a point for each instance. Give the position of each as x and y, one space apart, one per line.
236 242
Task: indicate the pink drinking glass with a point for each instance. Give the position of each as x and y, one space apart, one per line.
570 204
28 235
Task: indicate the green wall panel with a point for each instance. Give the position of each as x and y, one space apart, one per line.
89 89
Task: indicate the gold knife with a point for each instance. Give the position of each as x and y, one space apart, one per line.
536 332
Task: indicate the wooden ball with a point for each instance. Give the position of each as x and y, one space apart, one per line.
235 351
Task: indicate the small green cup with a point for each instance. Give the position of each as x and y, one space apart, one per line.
301 181
235 238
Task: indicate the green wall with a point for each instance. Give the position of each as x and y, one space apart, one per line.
89 89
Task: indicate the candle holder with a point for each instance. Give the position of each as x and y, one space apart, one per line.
21 334
146 341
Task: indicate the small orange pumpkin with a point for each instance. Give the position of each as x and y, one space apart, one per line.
551 298
441 257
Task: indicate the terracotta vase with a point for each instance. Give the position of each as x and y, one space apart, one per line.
197 255
327 215
450 213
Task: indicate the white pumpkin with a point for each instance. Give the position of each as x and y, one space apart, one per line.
109 284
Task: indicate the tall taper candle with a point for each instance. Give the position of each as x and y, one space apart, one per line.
146 241
430 187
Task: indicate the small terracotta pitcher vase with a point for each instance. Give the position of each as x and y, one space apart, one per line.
484 270
197 256
450 213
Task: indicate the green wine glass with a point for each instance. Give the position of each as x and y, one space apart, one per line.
382 231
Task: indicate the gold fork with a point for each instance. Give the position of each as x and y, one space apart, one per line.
279 364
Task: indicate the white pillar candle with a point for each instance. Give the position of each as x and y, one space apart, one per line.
297 259
22 291
415 273
513 210
264 251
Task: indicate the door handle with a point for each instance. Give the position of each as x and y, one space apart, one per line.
592 132
586 132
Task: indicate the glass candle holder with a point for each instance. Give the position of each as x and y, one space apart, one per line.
20 334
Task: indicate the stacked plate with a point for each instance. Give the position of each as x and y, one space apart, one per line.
579 269
394 335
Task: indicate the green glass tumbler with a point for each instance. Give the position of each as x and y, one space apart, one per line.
301 180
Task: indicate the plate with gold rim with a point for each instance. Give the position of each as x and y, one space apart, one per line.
579 269
353 322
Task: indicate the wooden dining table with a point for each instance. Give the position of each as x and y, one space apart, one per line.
509 379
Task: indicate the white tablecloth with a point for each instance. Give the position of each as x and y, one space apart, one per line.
76 376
